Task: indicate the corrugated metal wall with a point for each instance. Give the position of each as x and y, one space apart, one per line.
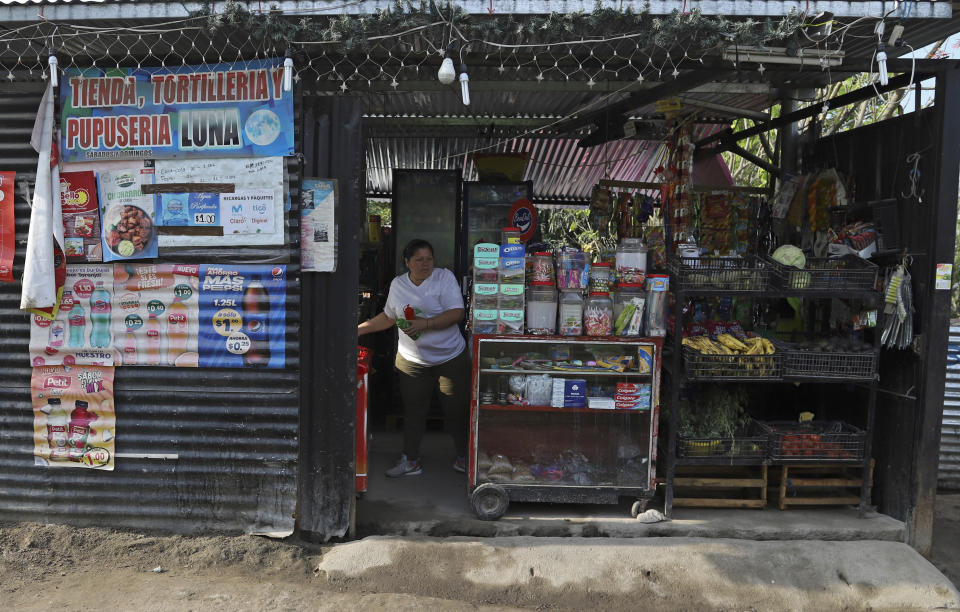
232 434
948 476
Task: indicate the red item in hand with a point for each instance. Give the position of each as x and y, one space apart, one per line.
409 314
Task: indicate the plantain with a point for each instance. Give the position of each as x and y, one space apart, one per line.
756 346
768 347
732 343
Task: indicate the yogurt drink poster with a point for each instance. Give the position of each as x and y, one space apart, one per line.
80 333
318 231
242 316
74 423
224 110
128 216
250 214
155 320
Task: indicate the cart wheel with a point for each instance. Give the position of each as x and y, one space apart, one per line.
639 507
489 502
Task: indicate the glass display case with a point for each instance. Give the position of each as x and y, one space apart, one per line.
561 419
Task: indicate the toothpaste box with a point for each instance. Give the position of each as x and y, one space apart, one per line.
632 396
569 393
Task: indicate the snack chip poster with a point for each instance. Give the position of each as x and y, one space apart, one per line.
74 423
166 315
236 110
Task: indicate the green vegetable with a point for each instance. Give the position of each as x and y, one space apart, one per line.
715 412
790 255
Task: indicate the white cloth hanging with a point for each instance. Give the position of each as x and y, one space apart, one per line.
46 218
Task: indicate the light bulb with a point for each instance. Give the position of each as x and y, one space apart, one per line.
882 64
447 73
288 74
53 69
464 85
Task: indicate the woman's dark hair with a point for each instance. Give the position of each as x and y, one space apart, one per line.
415 245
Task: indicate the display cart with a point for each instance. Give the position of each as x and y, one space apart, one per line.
552 449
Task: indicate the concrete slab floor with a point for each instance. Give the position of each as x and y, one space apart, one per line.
435 503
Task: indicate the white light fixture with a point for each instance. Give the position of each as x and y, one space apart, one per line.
464 85
288 73
52 61
881 55
778 55
447 73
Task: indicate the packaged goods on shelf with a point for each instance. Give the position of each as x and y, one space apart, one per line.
571 313
631 261
572 270
485 296
600 280
484 321
541 309
598 314
569 393
542 268
510 321
510 296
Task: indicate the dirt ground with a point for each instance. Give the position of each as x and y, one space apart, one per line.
46 567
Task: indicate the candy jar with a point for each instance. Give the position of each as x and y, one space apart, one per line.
542 268
631 261
571 313
600 277
541 309
598 314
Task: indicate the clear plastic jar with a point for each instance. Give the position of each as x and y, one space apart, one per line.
572 270
571 313
628 303
510 235
598 314
600 278
631 261
541 309
542 268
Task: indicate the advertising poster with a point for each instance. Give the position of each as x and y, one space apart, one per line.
242 316
251 214
224 110
7 230
155 320
80 332
81 216
127 215
318 232
74 423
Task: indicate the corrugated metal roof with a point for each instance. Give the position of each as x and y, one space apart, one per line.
949 473
560 170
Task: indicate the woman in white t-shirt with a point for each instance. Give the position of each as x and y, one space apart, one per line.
426 304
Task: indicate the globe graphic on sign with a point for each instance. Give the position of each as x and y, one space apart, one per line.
262 127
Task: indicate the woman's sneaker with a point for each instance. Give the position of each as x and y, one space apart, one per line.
405 467
460 465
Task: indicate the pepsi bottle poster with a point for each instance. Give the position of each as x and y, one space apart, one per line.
242 316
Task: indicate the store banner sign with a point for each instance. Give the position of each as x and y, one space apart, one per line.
74 422
174 315
236 109
243 316
318 230
7 229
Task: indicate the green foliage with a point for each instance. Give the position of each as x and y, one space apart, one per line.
382 208
718 412
437 20
572 227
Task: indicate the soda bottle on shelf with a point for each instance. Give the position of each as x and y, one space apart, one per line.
256 316
78 325
57 421
79 429
130 348
100 317
153 340
177 330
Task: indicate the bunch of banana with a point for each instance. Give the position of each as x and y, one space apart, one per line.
727 344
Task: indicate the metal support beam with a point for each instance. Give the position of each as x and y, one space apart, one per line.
854 96
935 315
667 89
753 159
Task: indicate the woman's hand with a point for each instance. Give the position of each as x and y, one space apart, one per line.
417 326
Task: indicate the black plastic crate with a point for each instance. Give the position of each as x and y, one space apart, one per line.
752 444
829 366
747 273
823 441
848 273
701 366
